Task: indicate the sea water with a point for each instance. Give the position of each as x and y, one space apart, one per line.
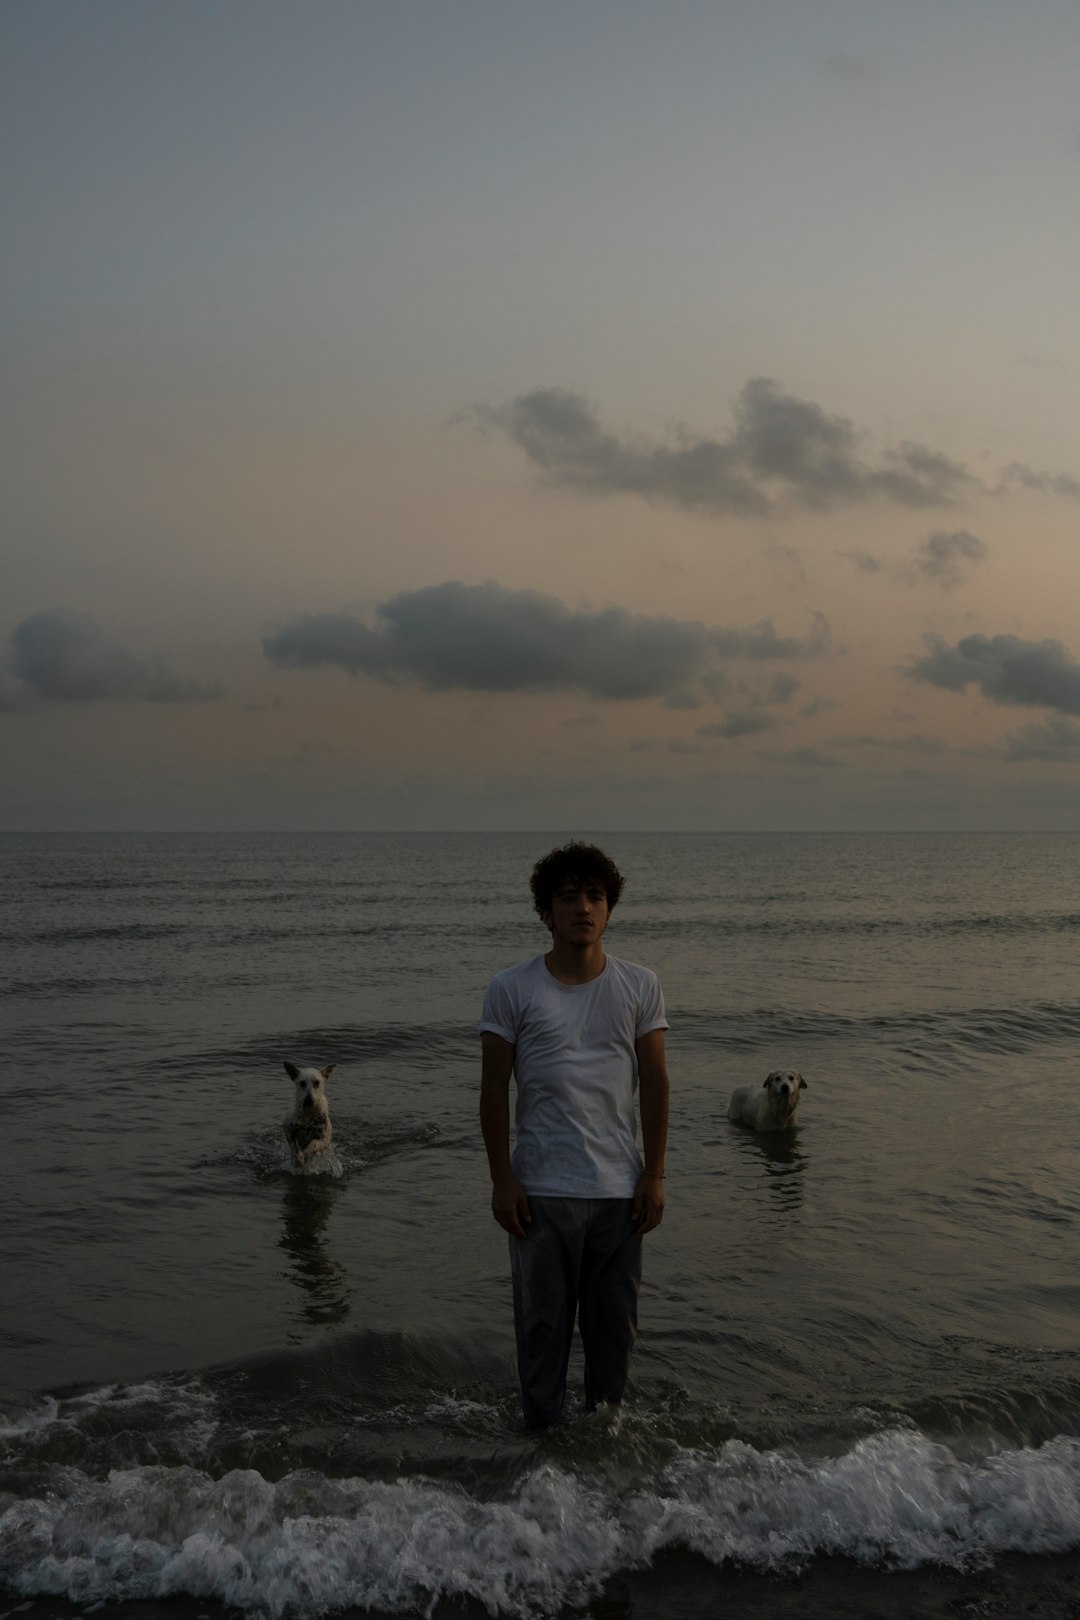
225 1384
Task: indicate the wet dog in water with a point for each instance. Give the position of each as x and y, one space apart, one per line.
307 1128
769 1107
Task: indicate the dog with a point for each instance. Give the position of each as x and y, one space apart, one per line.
307 1129
769 1107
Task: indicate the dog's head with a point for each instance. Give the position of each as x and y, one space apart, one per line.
783 1087
310 1087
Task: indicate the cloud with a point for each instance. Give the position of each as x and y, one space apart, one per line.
754 718
817 705
804 759
761 641
560 434
788 569
1005 669
13 694
782 688
741 723
1019 476
68 658
796 442
493 639
783 451
916 476
918 743
1057 741
864 561
914 743
945 558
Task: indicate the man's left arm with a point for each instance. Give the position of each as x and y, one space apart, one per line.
653 1092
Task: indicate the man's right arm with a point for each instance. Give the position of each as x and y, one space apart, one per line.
509 1203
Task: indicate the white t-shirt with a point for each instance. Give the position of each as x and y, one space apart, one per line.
575 1132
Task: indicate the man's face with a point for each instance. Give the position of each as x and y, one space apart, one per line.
579 913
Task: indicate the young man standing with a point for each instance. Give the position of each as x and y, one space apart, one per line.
580 1031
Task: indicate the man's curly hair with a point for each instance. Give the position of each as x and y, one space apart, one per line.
575 863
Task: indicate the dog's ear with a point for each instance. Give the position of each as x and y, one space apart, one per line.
802 1084
328 1071
291 1070
772 1074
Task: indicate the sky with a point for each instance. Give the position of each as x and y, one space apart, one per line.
471 415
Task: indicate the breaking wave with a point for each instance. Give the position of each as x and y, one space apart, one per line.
307 1545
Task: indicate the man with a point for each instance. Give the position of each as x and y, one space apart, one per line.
580 1031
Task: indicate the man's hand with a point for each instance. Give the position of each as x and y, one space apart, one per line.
510 1206
648 1210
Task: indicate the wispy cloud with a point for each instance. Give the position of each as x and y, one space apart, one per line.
913 743
815 706
560 434
1057 741
1018 476
739 723
782 688
755 716
865 561
1006 670
490 638
13 694
68 658
946 559
783 451
804 759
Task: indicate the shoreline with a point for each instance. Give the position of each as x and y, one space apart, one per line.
684 1586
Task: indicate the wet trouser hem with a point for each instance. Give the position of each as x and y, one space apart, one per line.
581 1262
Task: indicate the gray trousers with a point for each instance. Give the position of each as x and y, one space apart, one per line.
581 1258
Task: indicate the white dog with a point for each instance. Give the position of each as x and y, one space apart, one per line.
307 1128
769 1107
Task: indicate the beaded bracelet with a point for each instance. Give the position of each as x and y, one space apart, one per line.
657 1175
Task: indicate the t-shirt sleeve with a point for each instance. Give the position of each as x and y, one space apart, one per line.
499 1014
651 1013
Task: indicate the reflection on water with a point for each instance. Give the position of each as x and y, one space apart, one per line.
782 1163
323 1281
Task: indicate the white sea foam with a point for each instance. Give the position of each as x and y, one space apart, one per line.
184 1410
326 1163
308 1545
40 1417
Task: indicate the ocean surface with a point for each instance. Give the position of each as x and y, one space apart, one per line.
226 1387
